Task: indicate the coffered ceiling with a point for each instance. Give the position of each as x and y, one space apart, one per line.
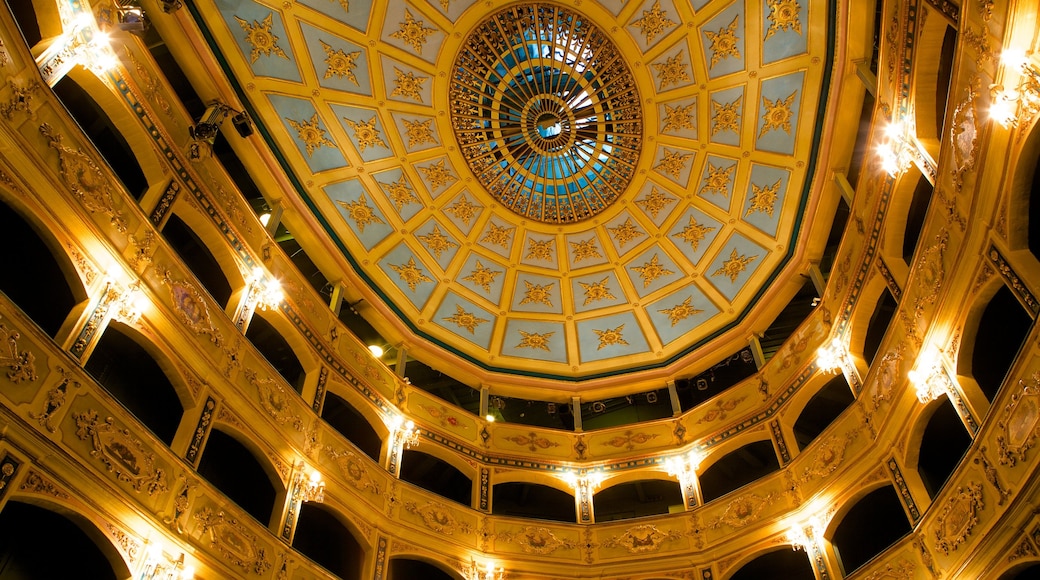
560 190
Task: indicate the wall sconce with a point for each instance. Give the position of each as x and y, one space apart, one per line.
896 149
1011 106
405 432
584 482
684 467
929 376
263 292
833 357
90 45
486 572
308 487
807 536
130 303
157 566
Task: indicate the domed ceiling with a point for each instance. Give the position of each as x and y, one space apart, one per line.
548 189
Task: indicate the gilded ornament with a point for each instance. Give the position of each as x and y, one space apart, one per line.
654 202
763 198
437 174
1020 424
360 212
584 250
539 250
630 440
678 117
783 15
534 340
681 311
419 132
120 452
438 518
233 540
610 337
410 274
366 133
412 32
399 192
693 233
340 63
56 398
312 135
537 540
260 37
642 538
537 293
725 117
482 276
532 441
498 235
651 271
463 209
653 22
21 366
742 511
671 72
464 319
436 242
596 291
723 42
406 84
958 517
733 267
778 114
673 163
275 400
625 232
85 179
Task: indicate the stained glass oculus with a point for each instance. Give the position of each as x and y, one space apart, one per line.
546 112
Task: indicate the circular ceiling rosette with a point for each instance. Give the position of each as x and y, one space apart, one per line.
546 113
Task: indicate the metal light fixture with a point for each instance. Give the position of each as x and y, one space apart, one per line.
405 432
263 292
806 536
832 357
929 376
487 571
308 487
897 150
1013 105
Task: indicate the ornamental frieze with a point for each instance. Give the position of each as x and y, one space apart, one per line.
121 453
20 363
828 456
274 400
85 179
438 518
742 511
353 469
958 517
233 541
536 540
1017 428
643 538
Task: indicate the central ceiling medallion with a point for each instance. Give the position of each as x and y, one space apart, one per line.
546 113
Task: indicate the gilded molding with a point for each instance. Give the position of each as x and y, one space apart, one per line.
85 179
353 468
121 453
54 400
233 541
21 101
991 475
21 365
902 570
899 482
958 517
274 400
169 195
1020 424
190 305
1013 281
642 538
536 540
36 482
130 546
438 518
743 510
